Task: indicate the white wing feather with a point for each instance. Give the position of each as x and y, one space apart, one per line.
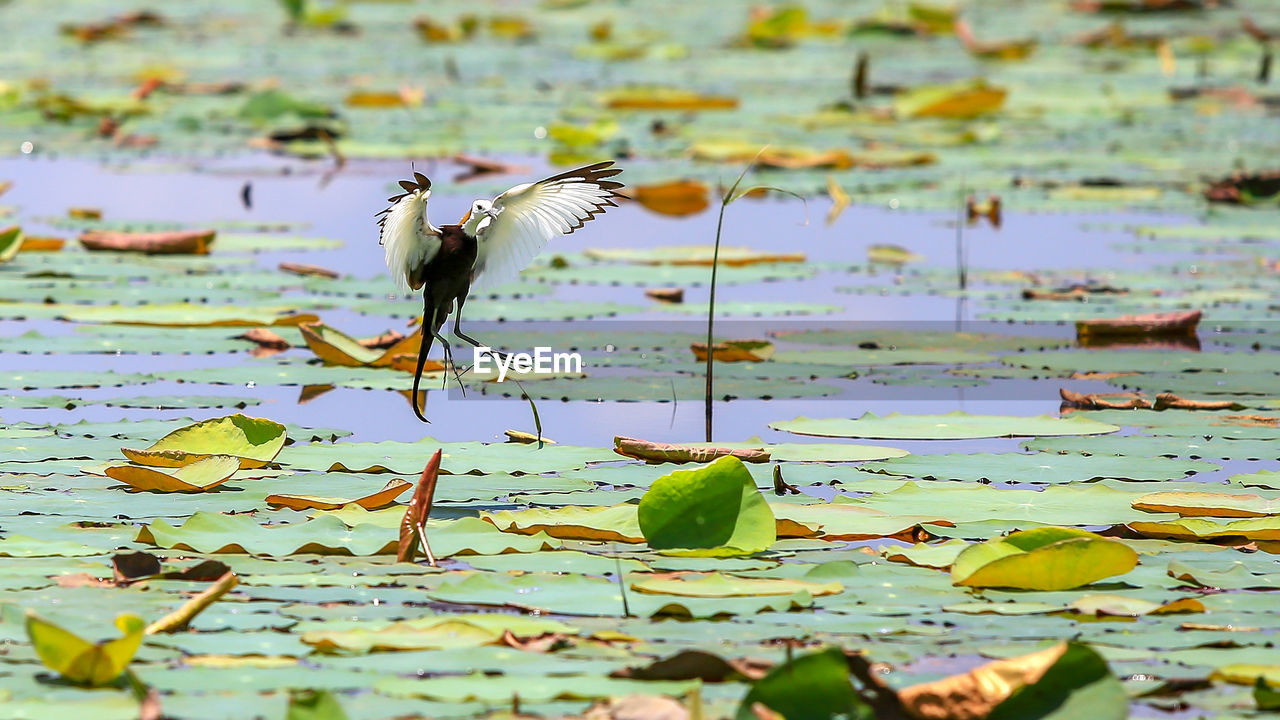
528 216
409 239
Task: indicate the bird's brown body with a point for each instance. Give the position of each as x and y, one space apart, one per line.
445 280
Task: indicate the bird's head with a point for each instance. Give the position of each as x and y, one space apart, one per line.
479 211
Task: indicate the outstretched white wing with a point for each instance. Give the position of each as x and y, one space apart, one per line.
407 236
527 216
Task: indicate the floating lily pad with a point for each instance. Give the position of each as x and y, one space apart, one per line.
952 426
254 441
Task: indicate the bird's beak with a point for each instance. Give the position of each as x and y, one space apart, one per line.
465 218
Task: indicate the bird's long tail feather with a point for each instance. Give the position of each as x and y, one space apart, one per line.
428 336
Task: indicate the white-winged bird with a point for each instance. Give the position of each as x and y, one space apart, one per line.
492 243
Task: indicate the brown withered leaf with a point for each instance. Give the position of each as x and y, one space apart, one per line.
383 341
665 295
130 567
975 694
203 571
305 269
263 337
76 580
678 198
413 527
544 643
780 485
1169 323
637 707
691 664
656 452
1169 401
747 350
1104 401
178 242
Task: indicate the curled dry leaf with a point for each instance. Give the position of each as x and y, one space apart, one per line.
305 269
1169 401
372 501
336 348
983 691
544 643
264 338
1171 323
42 244
665 295
385 340
656 452
1105 401
413 527
178 242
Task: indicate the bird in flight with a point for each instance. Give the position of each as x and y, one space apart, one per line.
490 245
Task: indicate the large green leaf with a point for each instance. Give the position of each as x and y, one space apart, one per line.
255 441
1048 558
714 509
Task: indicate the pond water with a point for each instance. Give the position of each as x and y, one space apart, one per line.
318 201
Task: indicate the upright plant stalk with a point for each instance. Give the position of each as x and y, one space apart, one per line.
727 198
962 270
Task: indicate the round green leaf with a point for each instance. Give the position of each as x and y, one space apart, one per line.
710 510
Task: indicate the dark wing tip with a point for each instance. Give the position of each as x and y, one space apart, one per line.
424 183
408 185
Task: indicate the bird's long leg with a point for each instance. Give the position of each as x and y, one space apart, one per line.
423 349
438 323
457 331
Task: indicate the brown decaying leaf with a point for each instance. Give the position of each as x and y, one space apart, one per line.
655 452
264 338
305 269
129 567
1076 291
976 693
178 242
637 707
83 580
1169 323
84 213
994 50
666 295
178 619
1102 401
380 342
42 244
1243 188
413 527
678 198
1169 401
372 501
697 664
734 350
544 643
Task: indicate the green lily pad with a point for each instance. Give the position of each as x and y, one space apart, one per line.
1038 468
1049 558
710 510
255 441
952 426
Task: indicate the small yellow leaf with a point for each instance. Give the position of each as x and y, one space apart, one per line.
79 660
